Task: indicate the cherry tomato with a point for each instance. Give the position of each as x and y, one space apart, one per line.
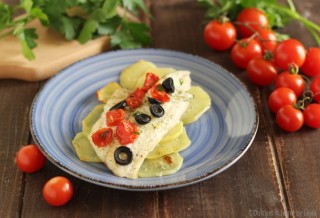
102 137
30 159
289 51
151 79
312 115
252 17
292 81
244 51
57 191
289 118
315 88
267 39
135 99
261 72
126 132
311 66
114 117
219 35
158 92
280 97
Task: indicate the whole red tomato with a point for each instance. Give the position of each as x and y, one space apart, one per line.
252 17
315 88
261 72
57 191
289 118
267 39
280 97
244 51
288 52
219 35
311 66
30 159
291 80
312 115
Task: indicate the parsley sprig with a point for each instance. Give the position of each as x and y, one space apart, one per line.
76 19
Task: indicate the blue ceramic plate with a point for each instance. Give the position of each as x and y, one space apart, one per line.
219 138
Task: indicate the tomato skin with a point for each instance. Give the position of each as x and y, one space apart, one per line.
135 99
312 115
289 51
311 66
126 132
159 93
57 191
255 18
244 51
219 35
289 118
267 39
102 137
114 117
150 80
280 97
292 81
261 72
315 88
30 159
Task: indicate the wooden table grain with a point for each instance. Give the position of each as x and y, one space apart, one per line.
279 176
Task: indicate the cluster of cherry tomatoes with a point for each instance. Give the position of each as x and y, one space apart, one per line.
288 66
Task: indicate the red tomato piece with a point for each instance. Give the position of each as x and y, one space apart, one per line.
114 117
280 97
315 88
267 39
57 191
219 35
126 132
292 81
135 99
159 93
311 66
30 159
289 118
102 137
261 72
244 51
312 115
151 80
251 19
288 52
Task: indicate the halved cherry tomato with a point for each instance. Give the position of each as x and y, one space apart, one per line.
315 88
102 137
135 99
289 118
291 80
280 97
311 66
159 93
251 19
312 115
267 39
261 72
57 191
114 117
126 132
150 80
30 159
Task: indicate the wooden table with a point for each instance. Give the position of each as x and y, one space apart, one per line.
279 176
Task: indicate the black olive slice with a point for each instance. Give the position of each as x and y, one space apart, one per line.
153 101
121 105
156 110
123 155
168 85
142 118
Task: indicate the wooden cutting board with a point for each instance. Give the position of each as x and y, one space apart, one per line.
53 53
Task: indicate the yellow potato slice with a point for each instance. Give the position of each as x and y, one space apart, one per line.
130 75
175 145
200 103
158 71
91 118
84 149
162 166
106 92
175 132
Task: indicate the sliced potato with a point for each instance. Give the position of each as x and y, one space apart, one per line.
175 132
106 92
91 118
84 149
175 145
200 103
131 74
162 166
158 71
